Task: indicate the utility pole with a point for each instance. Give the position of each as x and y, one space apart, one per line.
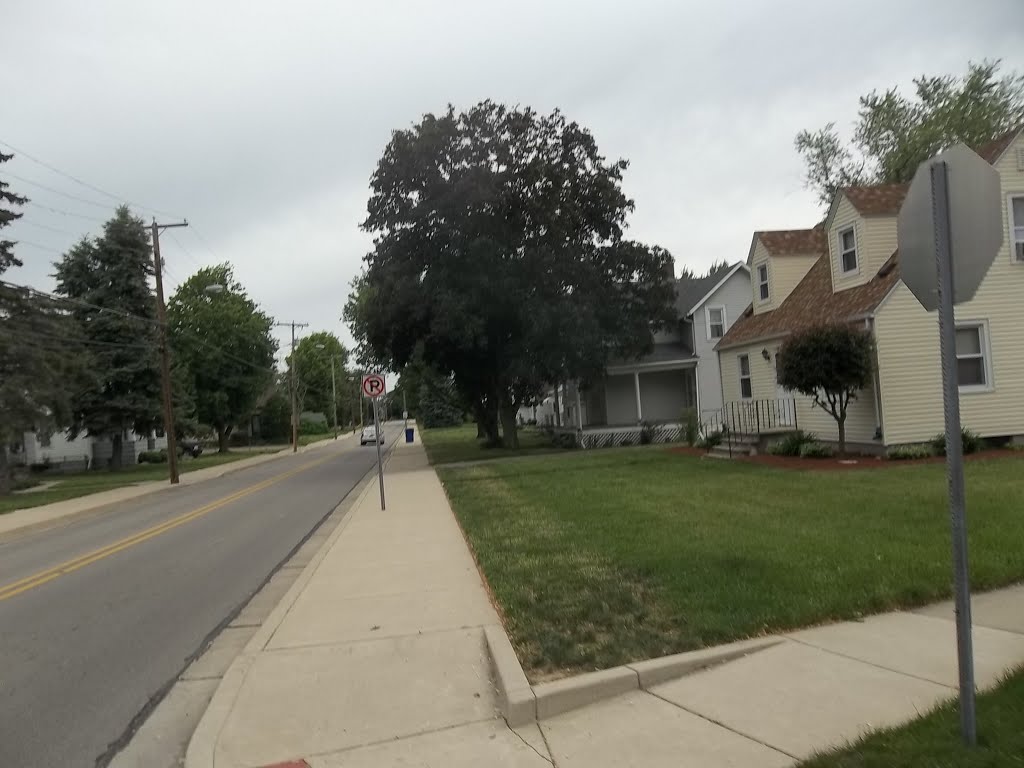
334 398
165 356
294 385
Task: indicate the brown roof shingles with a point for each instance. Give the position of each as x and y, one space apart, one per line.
992 151
813 303
877 200
788 242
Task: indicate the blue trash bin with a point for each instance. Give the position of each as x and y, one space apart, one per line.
408 434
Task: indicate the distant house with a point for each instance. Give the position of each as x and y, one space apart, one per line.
82 452
681 372
847 270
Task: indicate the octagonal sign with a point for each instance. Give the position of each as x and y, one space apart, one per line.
975 225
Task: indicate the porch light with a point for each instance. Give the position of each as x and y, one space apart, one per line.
765 354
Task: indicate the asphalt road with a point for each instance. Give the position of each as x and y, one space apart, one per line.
99 615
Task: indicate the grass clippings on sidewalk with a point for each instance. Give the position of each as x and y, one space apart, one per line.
73 485
934 741
452 444
611 556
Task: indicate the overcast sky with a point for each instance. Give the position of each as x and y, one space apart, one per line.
261 122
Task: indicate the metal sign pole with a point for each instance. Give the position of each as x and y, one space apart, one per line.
377 433
954 450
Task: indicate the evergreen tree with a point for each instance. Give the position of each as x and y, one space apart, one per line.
115 312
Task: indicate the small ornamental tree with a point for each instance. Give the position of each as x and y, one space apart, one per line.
829 363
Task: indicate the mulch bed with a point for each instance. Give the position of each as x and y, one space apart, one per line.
851 462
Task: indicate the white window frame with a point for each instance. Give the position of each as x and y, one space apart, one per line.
1014 226
856 251
766 283
986 356
747 377
708 323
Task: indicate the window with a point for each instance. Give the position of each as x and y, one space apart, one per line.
972 363
762 281
1017 228
716 322
847 251
746 387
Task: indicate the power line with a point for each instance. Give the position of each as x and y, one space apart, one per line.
105 206
87 185
62 212
32 223
40 247
185 250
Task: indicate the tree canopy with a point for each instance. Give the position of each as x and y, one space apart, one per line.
315 355
830 364
115 312
499 253
222 341
895 133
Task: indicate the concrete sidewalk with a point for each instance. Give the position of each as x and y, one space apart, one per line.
376 657
49 514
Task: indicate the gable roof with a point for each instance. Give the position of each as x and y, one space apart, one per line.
813 303
994 150
791 242
690 294
878 199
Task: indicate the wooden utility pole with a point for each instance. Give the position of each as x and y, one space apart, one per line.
165 355
294 386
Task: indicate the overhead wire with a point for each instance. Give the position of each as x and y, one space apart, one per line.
118 198
105 206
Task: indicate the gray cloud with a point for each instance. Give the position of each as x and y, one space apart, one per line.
262 123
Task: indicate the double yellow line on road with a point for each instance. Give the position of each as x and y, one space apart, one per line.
70 566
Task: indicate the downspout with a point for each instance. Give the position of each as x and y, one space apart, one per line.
876 381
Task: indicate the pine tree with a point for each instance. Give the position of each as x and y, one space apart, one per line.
115 311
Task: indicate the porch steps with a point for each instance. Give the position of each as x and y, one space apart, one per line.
742 445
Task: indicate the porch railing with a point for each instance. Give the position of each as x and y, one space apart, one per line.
752 417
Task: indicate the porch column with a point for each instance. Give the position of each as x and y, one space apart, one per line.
636 385
579 408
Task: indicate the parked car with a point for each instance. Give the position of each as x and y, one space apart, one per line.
370 435
191 446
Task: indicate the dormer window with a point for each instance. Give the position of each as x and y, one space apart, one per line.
762 281
847 251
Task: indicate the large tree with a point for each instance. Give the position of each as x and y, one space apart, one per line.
39 351
831 364
315 355
895 133
499 253
223 340
114 310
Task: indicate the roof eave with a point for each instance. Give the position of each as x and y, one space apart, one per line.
735 268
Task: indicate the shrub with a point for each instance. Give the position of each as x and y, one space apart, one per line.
313 427
909 452
815 451
710 440
792 444
646 434
970 441
153 457
691 427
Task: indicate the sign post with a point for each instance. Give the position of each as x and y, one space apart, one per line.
949 231
374 388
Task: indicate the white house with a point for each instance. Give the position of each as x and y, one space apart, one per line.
83 452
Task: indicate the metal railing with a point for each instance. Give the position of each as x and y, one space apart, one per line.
752 417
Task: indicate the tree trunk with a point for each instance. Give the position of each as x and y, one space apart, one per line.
509 427
5 471
116 443
487 423
842 437
222 439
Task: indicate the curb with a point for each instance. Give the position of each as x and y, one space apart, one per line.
521 704
203 742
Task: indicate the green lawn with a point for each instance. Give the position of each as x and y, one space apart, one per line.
610 556
452 444
77 484
934 741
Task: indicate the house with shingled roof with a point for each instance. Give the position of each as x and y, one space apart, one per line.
846 270
680 372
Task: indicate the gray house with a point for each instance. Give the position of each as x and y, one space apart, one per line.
680 372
